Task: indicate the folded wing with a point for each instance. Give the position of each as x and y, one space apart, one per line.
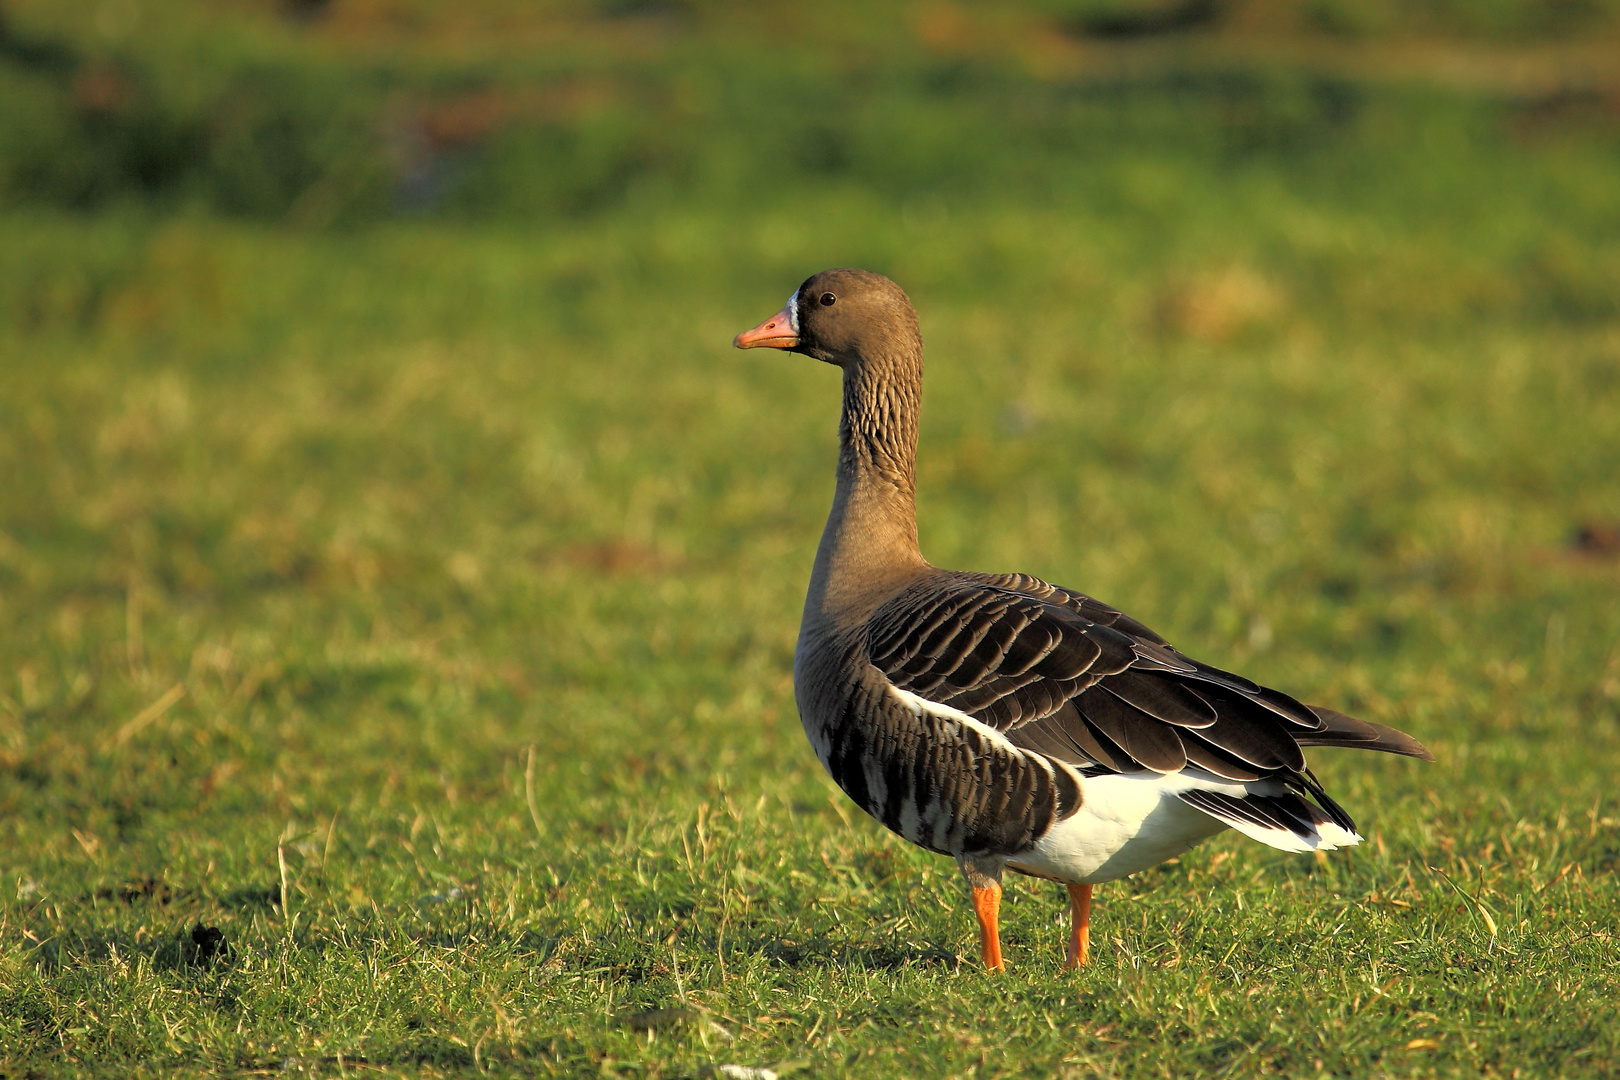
1070 678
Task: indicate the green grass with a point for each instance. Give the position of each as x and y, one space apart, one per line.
308 539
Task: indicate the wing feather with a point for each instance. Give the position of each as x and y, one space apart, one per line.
1066 676
1143 738
1163 699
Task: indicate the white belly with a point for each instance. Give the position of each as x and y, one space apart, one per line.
1124 824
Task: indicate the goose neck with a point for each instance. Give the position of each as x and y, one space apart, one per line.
870 543
877 433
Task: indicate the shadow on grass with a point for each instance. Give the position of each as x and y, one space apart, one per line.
821 953
187 949
430 1050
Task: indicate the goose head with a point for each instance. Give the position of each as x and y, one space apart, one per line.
844 317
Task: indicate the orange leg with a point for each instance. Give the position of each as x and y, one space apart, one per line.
987 906
1080 936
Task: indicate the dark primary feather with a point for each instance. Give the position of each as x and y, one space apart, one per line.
1342 730
1071 678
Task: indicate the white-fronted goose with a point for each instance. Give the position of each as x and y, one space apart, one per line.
1001 720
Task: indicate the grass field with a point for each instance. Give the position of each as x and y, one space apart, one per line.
396 617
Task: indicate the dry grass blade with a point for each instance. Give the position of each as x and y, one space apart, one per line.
141 720
1474 904
528 795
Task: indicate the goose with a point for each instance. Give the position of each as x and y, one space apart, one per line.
1001 720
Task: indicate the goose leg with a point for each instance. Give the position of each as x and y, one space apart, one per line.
1080 935
987 905
983 875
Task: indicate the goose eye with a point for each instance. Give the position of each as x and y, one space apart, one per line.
828 299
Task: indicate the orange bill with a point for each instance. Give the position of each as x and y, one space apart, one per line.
776 332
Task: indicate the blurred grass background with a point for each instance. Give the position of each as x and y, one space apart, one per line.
367 418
